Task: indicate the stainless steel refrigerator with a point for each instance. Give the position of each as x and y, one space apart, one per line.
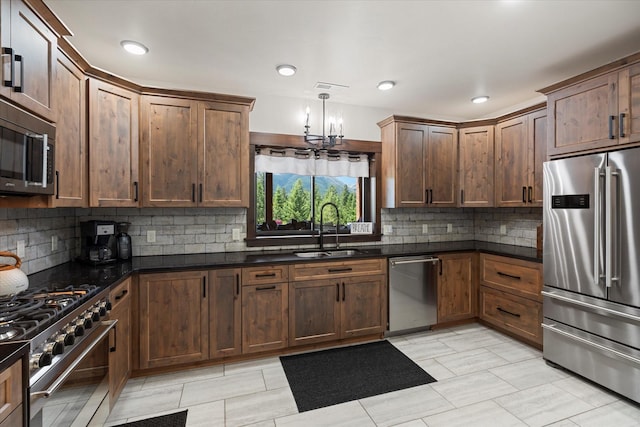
591 261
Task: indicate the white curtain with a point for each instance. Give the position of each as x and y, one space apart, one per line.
311 162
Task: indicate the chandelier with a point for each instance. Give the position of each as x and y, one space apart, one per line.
325 141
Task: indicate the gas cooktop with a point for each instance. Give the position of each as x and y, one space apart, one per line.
24 315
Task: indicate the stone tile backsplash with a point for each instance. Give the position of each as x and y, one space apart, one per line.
195 230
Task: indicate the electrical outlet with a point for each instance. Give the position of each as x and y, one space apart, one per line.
387 229
425 228
236 234
503 229
20 250
449 228
151 236
54 243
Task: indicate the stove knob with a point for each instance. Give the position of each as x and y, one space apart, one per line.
108 305
87 321
95 315
66 337
70 332
78 328
54 347
38 360
103 309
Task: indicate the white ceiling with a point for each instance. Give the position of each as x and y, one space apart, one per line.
440 53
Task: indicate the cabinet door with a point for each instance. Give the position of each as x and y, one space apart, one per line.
581 117
512 176
537 155
476 167
442 166
457 287
11 387
120 347
314 311
629 104
225 307
113 146
223 145
37 45
70 108
364 306
411 165
174 318
264 317
169 151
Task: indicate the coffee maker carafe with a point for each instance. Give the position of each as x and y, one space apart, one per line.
123 241
98 243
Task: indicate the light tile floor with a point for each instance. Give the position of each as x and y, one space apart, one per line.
484 379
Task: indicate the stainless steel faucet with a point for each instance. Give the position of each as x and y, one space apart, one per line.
337 224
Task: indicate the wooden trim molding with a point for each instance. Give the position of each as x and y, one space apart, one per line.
297 141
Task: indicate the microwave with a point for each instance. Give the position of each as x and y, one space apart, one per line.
26 153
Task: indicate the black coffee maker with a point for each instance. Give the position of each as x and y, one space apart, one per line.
123 241
98 242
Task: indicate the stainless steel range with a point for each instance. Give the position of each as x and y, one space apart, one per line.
67 329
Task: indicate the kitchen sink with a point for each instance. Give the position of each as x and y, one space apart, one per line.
327 254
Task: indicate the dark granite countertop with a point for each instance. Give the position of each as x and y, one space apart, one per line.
10 352
74 273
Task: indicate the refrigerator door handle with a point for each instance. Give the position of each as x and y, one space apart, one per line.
596 225
611 226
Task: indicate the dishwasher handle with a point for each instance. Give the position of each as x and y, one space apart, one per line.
414 261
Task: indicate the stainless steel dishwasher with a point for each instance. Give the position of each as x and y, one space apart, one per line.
413 303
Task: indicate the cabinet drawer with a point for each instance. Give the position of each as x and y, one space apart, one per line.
325 270
11 391
120 293
513 275
518 315
266 274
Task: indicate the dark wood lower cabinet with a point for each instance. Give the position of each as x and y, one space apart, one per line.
264 317
174 318
363 306
120 344
225 338
457 287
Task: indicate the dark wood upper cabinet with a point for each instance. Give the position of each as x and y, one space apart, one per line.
113 146
419 165
520 150
476 167
70 110
595 114
33 48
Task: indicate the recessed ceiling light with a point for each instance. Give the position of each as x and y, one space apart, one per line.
386 85
480 99
286 70
134 47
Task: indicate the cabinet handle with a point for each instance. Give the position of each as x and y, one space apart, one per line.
20 88
237 285
426 196
344 292
524 194
266 275
500 273
611 119
337 292
339 270
204 286
115 339
124 292
57 185
440 262
193 192
8 51
530 194
622 135
135 189
502 310
266 288
200 191
431 195
461 197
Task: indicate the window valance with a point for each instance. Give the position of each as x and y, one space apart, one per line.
312 162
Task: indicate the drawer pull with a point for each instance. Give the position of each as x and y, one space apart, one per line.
500 273
337 292
339 270
266 275
119 297
502 310
266 288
